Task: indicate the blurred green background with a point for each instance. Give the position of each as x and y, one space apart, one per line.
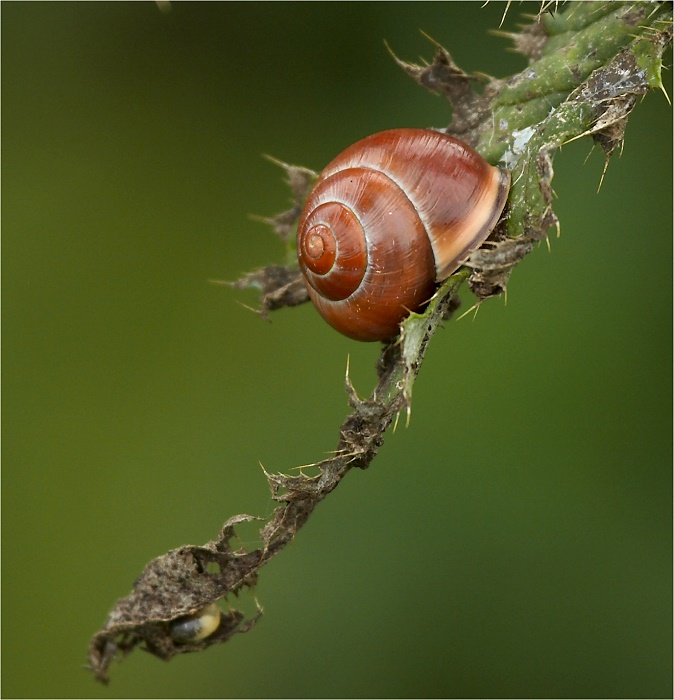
515 541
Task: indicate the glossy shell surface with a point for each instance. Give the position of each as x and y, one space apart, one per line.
388 219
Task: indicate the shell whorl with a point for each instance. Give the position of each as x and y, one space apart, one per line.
388 218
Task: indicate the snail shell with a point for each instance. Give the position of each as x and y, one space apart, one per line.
389 218
193 628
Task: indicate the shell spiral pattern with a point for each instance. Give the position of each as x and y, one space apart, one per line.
389 218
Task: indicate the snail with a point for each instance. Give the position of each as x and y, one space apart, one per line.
387 220
193 628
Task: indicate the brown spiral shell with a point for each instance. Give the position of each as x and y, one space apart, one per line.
389 218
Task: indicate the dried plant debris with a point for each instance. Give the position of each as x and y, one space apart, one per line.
181 585
163 612
530 41
280 285
445 78
299 180
588 66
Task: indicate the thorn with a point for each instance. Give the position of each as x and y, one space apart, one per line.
518 178
505 12
480 74
545 7
261 219
354 399
547 242
338 453
431 39
603 172
347 379
220 283
505 297
258 312
275 161
475 306
664 92
390 50
589 153
655 9
395 423
504 35
575 138
307 466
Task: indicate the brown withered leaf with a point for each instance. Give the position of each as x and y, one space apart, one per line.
281 285
180 582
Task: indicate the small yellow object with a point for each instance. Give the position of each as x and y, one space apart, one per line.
194 628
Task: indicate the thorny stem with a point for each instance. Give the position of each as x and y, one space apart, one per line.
588 65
